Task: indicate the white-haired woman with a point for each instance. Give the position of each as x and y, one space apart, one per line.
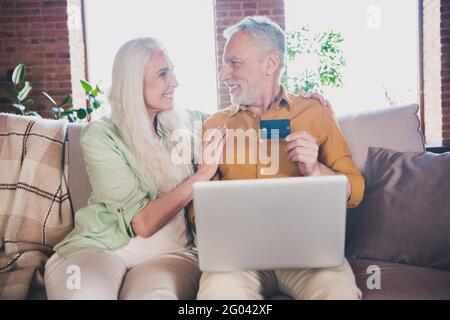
132 241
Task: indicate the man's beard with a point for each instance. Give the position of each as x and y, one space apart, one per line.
247 98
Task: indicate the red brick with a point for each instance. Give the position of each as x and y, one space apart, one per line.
55 18
48 11
5 4
249 13
54 4
28 4
221 14
236 14
249 5
8 19
278 11
271 4
264 12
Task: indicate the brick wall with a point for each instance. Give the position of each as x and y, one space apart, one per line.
47 35
229 12
36 33
445 70
431 72
436 73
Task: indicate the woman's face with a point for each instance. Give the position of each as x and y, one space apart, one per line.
159 83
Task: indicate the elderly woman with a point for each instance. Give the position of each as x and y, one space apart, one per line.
131 241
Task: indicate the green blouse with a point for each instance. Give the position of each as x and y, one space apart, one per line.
118 190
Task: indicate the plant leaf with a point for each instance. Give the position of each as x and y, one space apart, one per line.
57 110
19 106
81 113
72 118
11 91
66 101
18 74
49 98
70 111
24 92
99 89
96 104
30 101
86 85
94 93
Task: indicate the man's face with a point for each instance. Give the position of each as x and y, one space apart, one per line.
243 70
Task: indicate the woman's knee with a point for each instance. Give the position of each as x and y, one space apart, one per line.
74 278
162 278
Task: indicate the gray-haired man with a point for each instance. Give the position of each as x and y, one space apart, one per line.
253 60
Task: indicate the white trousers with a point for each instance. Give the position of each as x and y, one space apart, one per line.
301 284
122 274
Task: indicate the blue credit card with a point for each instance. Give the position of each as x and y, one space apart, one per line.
274 129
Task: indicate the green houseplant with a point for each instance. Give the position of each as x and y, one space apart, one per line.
19 90
325 49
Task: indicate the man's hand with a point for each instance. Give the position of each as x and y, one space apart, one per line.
319 98
302 148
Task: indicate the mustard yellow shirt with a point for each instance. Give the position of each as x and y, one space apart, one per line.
304 114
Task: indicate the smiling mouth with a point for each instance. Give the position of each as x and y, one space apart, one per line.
233 88
168 96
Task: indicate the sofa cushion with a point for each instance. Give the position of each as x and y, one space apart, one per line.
396 128
405 215
79 186
400 281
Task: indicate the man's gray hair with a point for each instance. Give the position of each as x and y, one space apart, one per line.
262 29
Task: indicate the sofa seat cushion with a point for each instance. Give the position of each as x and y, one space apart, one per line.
401 281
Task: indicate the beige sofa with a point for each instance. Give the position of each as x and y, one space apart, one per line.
395 128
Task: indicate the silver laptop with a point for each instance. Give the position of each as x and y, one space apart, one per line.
270 224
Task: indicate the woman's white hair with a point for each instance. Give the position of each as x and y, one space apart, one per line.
129 114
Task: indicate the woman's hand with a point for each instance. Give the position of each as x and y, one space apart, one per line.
212 148
319 98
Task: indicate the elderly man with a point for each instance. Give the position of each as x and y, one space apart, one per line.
253 61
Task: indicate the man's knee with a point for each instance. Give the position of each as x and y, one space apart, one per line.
331 285
150 294
229 286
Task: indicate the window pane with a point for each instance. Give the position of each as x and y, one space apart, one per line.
380 48
189 39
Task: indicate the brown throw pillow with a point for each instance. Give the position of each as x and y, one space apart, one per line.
405 214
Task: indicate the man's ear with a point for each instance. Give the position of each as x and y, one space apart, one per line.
272 63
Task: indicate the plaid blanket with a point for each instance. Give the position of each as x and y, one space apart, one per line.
35 211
